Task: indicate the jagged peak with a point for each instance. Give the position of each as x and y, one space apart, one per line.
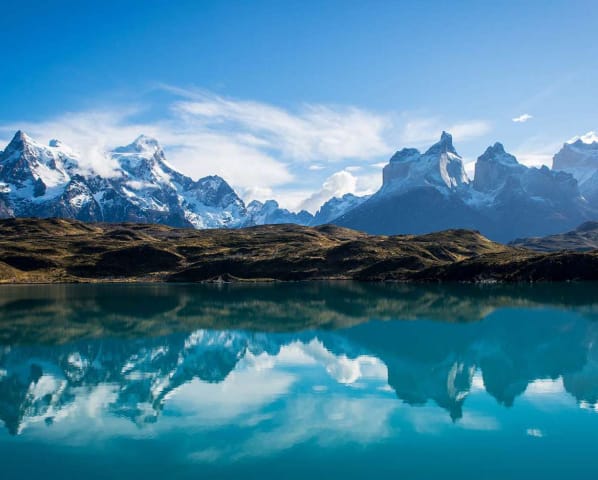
213 180
496 148
405 154
497 153
20 138
146 140
271 204
444 145
255 204
141 144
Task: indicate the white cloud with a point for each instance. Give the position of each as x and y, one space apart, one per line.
313 132
523 118
336 185
256 193
368 183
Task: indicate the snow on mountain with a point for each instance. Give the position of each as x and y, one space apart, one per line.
270 212
579 157
421 192
337 206
45 181
440 167
42 181
428 192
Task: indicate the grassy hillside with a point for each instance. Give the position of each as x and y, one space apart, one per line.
59 250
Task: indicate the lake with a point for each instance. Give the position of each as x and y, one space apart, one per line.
320 380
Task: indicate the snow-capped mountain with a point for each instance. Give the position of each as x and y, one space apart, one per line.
269 212
440 167
335 207
46 181
579 157
431 191
420 193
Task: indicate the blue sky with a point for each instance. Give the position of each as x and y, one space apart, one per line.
299 100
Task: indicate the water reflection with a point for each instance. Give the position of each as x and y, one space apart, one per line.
274 367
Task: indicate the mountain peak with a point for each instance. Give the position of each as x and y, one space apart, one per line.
496 148
145 142
444 145
19 143
20 137
142 144
405 155
496 153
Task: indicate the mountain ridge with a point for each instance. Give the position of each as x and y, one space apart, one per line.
506 199
420 192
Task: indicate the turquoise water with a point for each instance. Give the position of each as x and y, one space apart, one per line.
296 381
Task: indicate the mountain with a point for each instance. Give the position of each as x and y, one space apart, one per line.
47 181
580 158
440 167
420 193
269 212
428 192
517 199
335 207
583 238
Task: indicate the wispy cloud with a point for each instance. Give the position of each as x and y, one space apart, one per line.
523 118
314 132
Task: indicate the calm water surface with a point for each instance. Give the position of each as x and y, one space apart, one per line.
290 381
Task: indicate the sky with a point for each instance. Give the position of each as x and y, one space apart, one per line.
299 100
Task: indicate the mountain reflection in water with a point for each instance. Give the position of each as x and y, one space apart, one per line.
276 366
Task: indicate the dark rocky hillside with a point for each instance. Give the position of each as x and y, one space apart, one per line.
60 250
